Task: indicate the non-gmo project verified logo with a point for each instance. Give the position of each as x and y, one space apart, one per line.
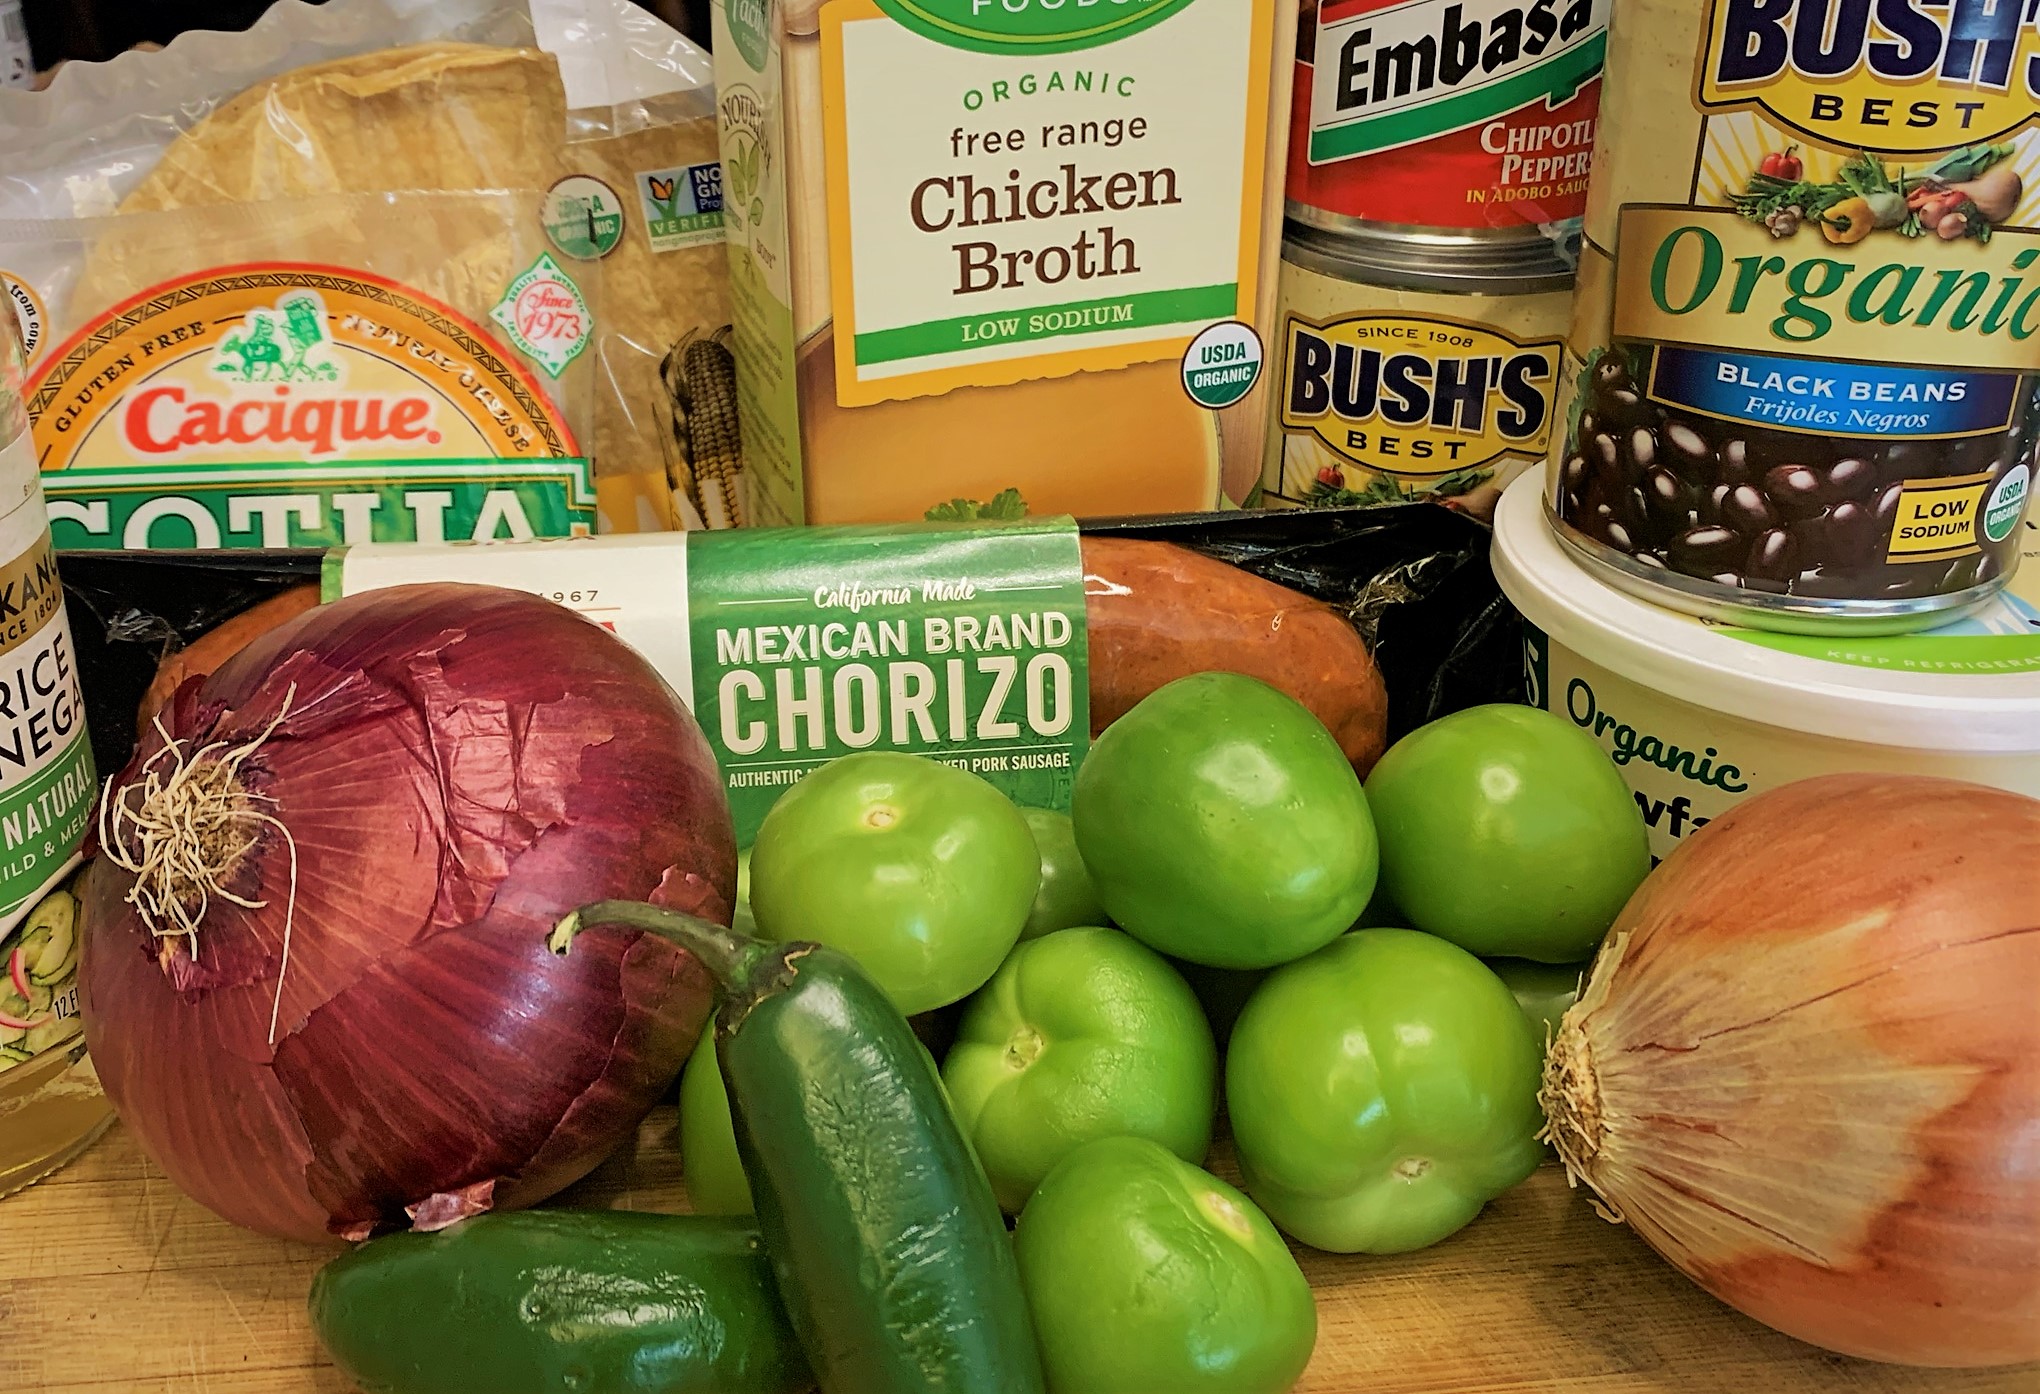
683 205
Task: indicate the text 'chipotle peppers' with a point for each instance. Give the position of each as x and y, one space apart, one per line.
889 1248
1799 374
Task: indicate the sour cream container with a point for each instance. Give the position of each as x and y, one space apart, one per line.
1699 715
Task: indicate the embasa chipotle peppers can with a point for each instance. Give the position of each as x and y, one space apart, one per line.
1476 115
1797 384
1412 366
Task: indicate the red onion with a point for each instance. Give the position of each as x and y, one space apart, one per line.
367 822
1806 1067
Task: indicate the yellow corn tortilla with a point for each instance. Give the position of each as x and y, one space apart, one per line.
431 116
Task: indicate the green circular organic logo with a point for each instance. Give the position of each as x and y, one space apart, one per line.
746 20
2006 505
1028 26
583 217
1222 364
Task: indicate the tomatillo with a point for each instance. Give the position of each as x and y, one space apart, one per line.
741 919
1382 1091
716 1184
922 872
1067 897
1508 831
1224 826
1545 991
1145 1274
1083 1034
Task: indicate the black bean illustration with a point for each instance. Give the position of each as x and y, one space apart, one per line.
1910 459
1748 510
1795 490
1766 509
1851 477
1972 455
1851 534
1642 448
1773 556
1736 465
1625 407
1668 500
1706 551
1687 451
1607 459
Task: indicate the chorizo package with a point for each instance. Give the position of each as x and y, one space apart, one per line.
1408 588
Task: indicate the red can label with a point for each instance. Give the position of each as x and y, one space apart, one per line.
1473 114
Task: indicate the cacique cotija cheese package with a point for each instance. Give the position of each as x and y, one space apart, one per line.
342 279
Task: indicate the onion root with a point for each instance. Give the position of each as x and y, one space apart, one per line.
187 832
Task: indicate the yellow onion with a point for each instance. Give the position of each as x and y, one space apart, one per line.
1806 1067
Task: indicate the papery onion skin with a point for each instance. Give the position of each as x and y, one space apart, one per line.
1806 1067
460 766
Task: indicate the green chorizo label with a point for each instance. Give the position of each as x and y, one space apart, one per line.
795 646
1037 26
813 644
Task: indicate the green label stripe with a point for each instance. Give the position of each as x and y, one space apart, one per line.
43 819
1555 81
1109 314
965 645
1957 654
221 506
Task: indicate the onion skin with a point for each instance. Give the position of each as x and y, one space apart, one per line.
460 767
1807 1067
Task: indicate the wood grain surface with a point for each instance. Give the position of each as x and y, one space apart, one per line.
112 1281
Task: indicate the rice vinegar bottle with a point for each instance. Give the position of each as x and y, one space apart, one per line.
51 1106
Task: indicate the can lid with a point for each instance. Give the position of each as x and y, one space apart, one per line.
1429 260
1973 685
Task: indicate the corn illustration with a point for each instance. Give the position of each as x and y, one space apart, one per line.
706 460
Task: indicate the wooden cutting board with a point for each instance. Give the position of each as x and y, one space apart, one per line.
111 1282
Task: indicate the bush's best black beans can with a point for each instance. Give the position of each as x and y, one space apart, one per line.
1799 385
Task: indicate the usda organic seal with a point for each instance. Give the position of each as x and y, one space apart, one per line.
1222 364
2006 505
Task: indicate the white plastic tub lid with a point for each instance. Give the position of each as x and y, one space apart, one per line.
1972 685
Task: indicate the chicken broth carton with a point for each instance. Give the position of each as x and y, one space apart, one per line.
1001 257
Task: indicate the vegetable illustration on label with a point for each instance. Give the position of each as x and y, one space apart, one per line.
39 980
